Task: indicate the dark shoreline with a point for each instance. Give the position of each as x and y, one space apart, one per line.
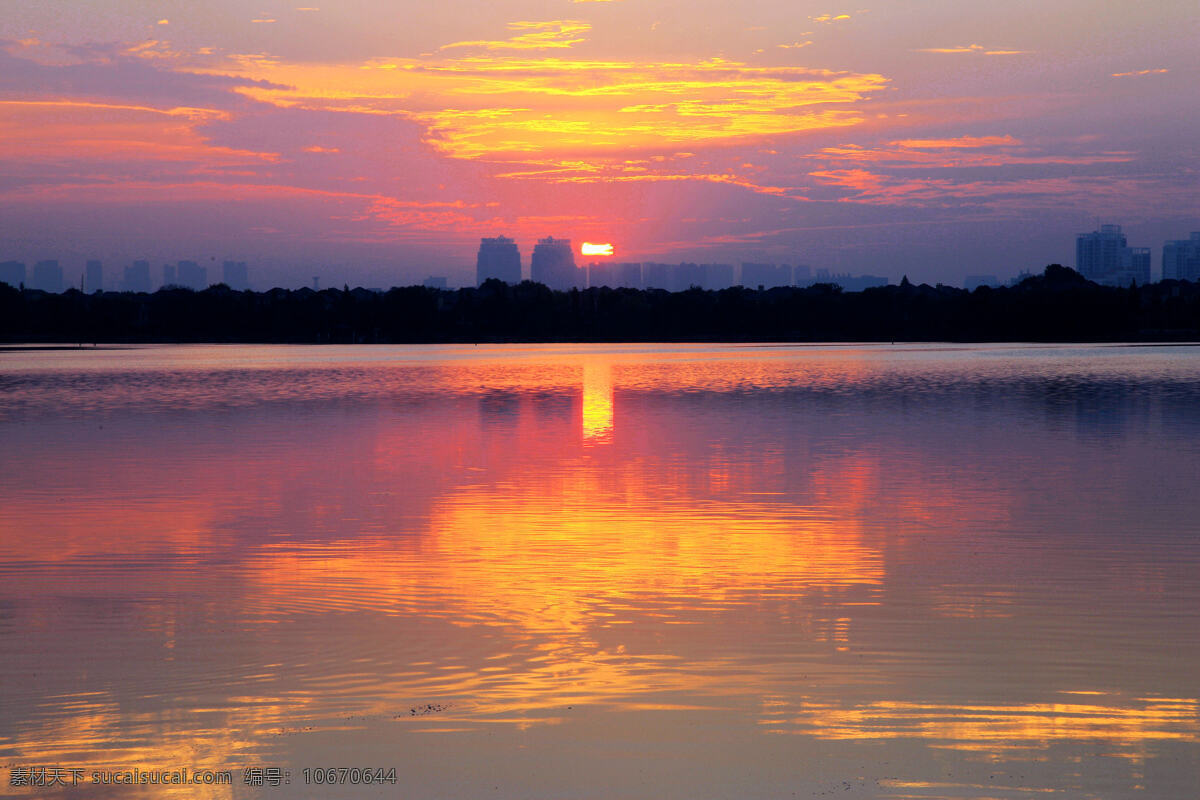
1058 306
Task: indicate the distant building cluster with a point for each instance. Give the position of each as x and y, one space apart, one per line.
553 264
46 275
136 277
1104 257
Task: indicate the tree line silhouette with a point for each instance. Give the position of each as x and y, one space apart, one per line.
1058 305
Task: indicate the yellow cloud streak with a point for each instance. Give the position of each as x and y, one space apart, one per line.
486 106
539 36
1140 72
971 48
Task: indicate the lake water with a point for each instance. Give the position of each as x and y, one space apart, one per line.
603 572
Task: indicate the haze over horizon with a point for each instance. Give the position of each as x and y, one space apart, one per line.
375 143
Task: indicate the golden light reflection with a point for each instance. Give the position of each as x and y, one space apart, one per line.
99 735
597 402
561 553
559 563
1124 722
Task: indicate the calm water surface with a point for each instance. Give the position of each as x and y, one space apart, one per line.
605 572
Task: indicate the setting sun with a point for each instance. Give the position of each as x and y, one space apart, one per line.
589 249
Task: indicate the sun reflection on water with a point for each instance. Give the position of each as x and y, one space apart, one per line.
597 402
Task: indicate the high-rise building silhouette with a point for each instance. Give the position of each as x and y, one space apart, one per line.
93 277
498 258
12 273
654 275
47 276
553 263
687 275
235 275
192 275
765 275
717 276
625 275
658 276
137 277
1104 257
1099 252
857 283
1181 259
435 282
169 276
1135 267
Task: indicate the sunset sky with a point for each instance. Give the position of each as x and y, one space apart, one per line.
375 141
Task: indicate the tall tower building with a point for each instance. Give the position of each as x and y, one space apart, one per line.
191 275
1135 267
1099 253
235 275
1181 259
553 263
498 258
93 277
12 273
48 276
137 277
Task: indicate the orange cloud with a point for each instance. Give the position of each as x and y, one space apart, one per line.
108 131
958 142
393 213
1016 195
